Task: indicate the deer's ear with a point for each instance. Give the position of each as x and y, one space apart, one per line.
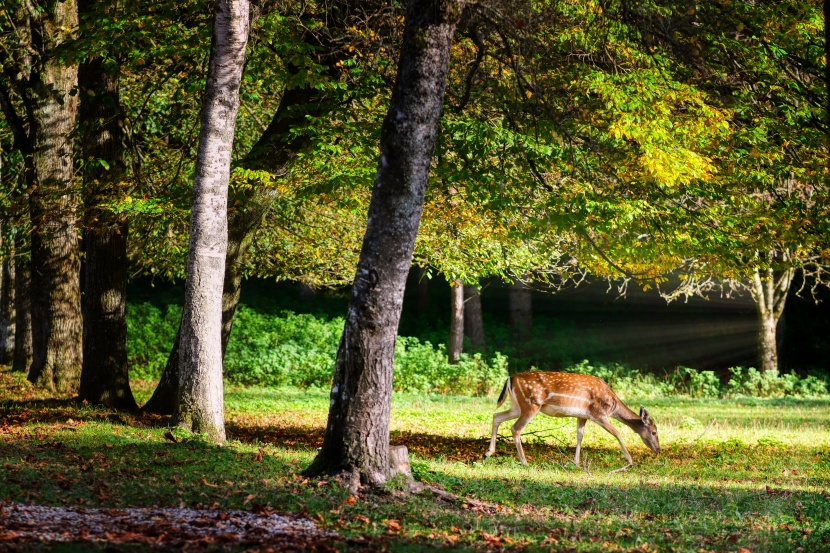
644 415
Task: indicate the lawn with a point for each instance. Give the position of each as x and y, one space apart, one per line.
733 474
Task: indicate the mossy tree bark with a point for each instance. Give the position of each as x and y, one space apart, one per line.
22 307
53 202
104 375
356 442
7 315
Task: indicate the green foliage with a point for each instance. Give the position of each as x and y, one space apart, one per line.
695 383
285 349
419 367
150 334
687 382
751 382
291 349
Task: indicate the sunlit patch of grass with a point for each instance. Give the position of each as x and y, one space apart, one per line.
739 473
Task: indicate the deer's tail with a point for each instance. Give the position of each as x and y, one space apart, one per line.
504 392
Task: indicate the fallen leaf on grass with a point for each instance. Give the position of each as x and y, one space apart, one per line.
169 435
393 526
494 540
248 498
349 500
208 484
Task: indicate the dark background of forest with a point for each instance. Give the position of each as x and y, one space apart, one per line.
589 322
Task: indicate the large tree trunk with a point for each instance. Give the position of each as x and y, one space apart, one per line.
56 293
7 316
521 309
769 290
456 341
356 443
200 401
473 318
104 376
22 308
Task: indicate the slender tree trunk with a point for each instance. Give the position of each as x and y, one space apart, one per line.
56 293
521 309
200 401
473 318
356 442
274 151
456 341
7 315
769 290
241 227
104 375
22 308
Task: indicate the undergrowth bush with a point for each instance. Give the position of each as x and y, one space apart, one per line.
752 382
684 381
299 350
286 348
150 334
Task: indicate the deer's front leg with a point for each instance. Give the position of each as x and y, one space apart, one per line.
613 431
580 430
499 418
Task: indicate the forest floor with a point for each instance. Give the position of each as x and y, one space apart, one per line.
734 475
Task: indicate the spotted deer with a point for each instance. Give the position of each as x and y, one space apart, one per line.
560 394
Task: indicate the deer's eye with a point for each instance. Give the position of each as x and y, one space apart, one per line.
654 433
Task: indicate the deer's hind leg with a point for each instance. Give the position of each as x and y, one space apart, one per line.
519 425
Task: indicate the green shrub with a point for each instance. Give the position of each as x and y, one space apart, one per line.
695 383
286 349
290 349
419 367
752 382
150 334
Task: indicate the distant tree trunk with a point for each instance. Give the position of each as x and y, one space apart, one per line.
769 290
423 290
473 318
356 443
7 315
521 309
56 292
105 377
22 308
200 400
456 341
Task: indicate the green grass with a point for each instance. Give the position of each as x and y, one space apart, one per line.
733 474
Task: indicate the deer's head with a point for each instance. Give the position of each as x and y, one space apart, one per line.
648 432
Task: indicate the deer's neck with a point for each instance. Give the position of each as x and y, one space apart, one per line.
628 417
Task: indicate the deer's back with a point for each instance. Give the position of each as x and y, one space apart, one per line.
562 394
